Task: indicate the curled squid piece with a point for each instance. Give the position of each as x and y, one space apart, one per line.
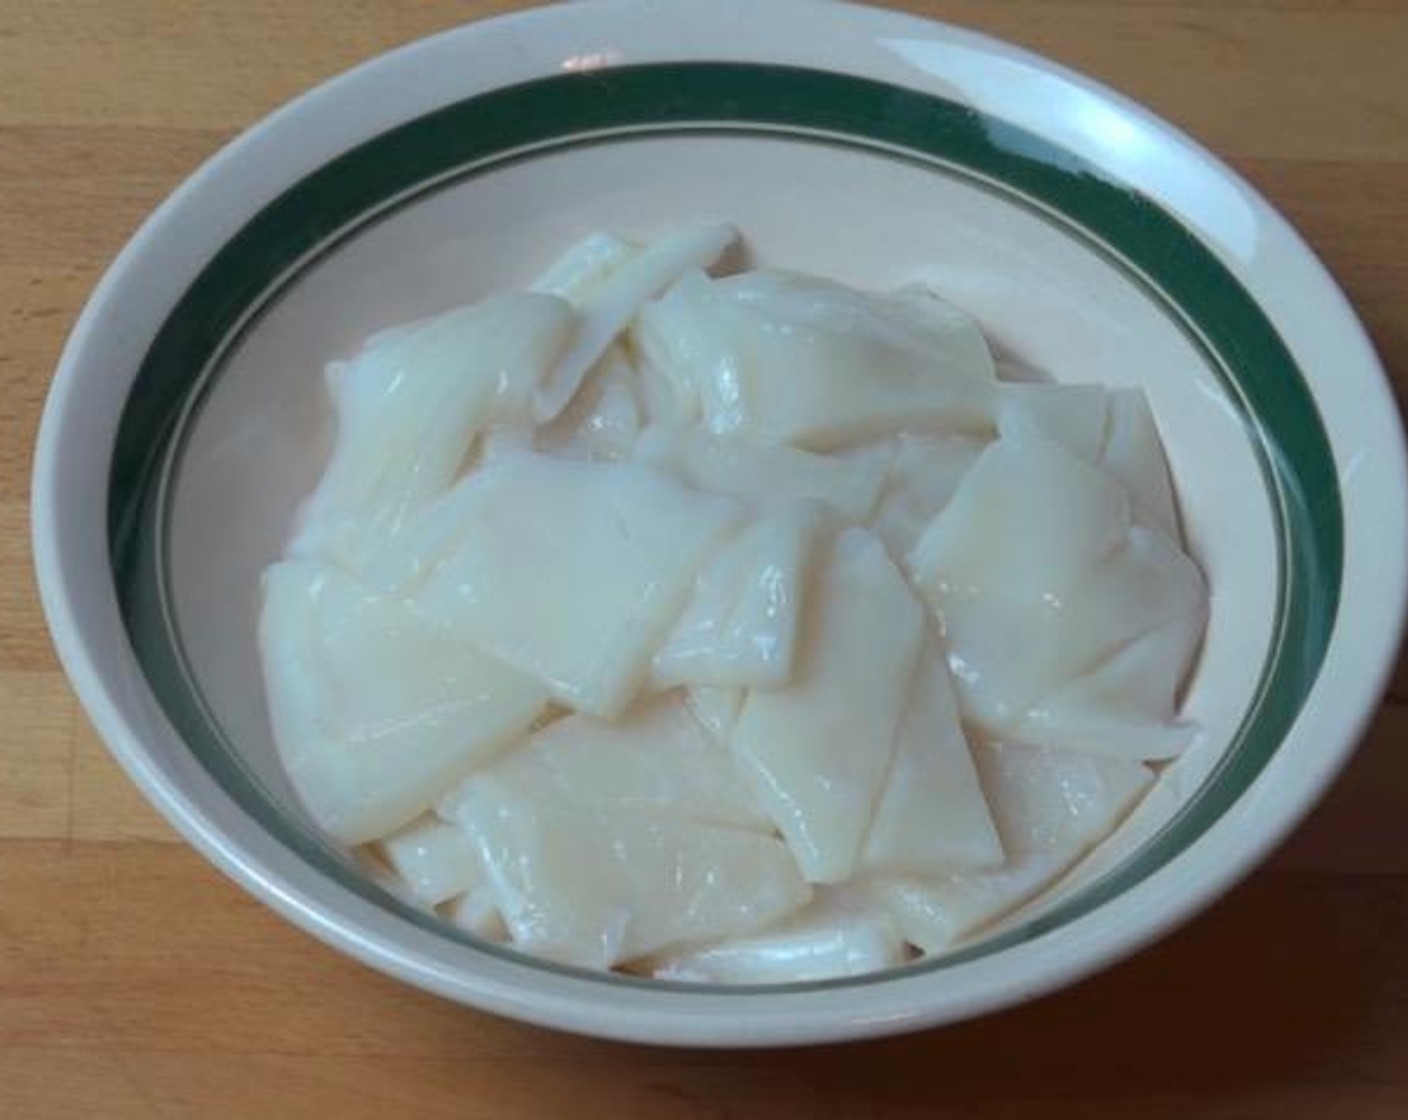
607 281
580 272
604 419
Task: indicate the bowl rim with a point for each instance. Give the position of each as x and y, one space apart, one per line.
1243 836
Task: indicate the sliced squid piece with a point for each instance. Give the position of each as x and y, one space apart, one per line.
924 473
740 628
841 933
674 344
1050 808
819 749
604 418
932 816
659 758
773 358
1040 578
1112 428
1075 416
408 408
477 912
571 572
434 859
607 306
1056 801
933 915
849 485
582 270
595 887
1134 454
375 713
1126 708
1011 368
715 708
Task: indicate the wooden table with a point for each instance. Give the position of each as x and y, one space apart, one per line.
135 981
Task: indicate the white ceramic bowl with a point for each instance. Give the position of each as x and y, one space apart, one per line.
1091 239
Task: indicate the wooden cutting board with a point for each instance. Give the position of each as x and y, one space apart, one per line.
135 981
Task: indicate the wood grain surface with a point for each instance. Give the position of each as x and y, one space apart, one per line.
136 982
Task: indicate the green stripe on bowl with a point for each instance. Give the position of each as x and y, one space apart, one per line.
1262 379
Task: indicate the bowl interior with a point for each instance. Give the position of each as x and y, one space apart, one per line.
1045 293
1067 270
